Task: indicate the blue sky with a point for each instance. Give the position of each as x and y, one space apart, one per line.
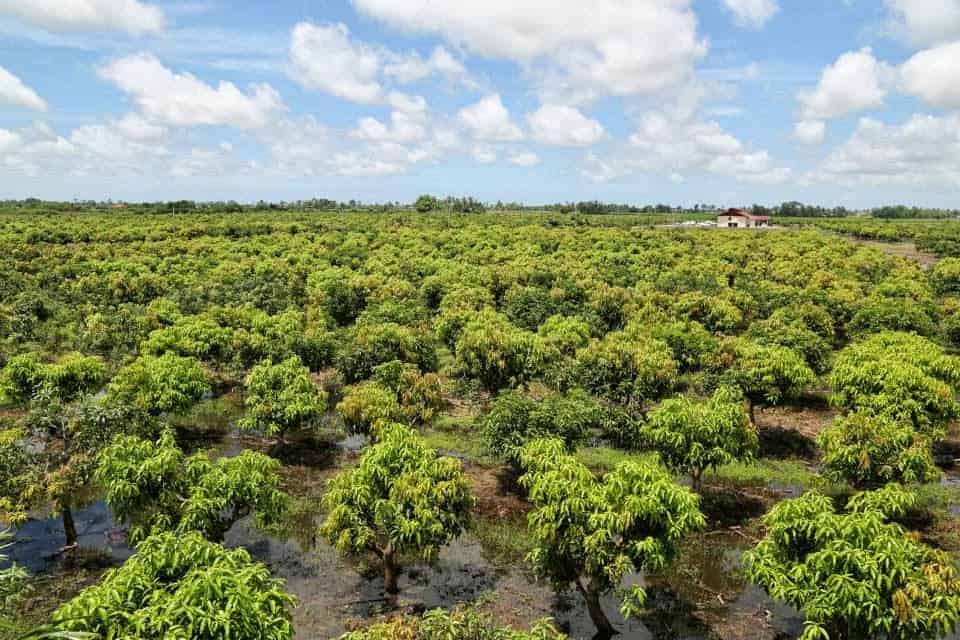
846 102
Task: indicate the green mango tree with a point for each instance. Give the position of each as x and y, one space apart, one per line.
872 450
854 574
155 487
281 398
692 437
592 533
402 499
181 586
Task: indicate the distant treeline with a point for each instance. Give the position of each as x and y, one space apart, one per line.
467 205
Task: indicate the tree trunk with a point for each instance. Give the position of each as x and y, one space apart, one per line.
69 526
753 413
592 597
390 572
697 476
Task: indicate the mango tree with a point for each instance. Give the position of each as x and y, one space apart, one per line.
628 367
901 376
282 397
767 374
692 437
872 450
70 426
591 533
180 585
155 487
853 574
161 384
515 419
460 624
401 499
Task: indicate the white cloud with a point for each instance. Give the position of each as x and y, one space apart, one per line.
211 162
605 46
325 58
564 126
353 163
126 141
856 81
13 91
524 159
925 22
925 150
680 142
298 147
934 76
130 16
484 153
606 169
182 99
9 140
489 120
752 14
810 131
412 67
403 127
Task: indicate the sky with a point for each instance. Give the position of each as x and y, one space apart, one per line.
728 102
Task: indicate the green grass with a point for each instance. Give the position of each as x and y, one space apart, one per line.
765 472
505 542
606 459
461 443
216 415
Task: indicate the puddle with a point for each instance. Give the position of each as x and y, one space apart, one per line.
37 543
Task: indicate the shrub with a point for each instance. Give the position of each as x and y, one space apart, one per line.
630 368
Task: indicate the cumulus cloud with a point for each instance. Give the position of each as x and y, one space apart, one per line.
605 46
752 14
856 81
934 76
489 120
524 159
14 91
810 131
484 153
130 16
677 143
181 99
925 150
925 22
412 67
324 57
564 126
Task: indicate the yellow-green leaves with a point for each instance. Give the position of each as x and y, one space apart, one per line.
282 397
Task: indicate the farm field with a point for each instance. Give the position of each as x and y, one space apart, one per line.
377 426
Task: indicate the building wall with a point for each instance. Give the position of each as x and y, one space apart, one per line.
730 221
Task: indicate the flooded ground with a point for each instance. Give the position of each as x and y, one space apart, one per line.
701 597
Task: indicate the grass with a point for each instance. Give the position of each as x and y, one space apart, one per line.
505 542
764 472
605 459
216 415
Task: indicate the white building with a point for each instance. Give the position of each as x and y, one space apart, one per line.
740 219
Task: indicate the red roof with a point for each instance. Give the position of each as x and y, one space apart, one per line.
745 214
